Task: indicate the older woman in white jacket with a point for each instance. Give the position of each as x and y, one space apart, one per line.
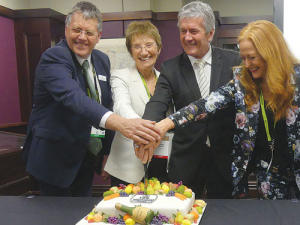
132 88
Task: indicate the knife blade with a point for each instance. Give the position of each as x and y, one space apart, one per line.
145 177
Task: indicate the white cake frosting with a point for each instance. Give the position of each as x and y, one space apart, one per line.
166 206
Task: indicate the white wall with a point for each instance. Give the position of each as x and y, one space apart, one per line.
225 7
166 5
106 6
241 7
291 25
136 5
64 6
15 4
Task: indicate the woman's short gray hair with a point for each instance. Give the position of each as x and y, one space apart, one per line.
88 10
198 9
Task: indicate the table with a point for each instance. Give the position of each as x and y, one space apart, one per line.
19 210
13 177
11 142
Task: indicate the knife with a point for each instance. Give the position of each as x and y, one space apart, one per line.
145 177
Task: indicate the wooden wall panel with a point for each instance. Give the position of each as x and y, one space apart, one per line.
170 40
113 29
23 78
29 38
33 48
227 35
57 31
135 15
33 37
6 12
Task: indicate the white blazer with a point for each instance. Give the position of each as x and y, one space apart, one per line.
130 99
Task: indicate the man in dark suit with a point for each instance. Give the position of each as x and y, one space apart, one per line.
201 153
59 129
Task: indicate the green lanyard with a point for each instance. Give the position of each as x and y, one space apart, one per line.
265 118
262 104
145 85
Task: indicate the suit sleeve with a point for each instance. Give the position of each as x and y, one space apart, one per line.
158 106
121 95
57 75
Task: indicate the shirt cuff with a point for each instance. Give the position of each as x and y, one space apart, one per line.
104 118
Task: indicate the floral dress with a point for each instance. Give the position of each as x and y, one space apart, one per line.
245 135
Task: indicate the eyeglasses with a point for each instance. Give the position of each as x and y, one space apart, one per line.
86 32
250 58
148 47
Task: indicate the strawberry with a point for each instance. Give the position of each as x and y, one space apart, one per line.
195 205
91 221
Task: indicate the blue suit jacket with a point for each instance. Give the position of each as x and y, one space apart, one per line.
60 123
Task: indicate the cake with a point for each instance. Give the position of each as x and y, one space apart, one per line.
165 201
166 206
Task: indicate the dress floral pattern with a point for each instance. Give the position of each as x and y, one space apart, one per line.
272 184
246 126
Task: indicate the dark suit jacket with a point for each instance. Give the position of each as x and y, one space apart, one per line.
177 83
60 123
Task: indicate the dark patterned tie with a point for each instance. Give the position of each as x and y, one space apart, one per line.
90 83
95 143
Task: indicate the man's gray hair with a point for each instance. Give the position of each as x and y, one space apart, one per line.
198 9
88 10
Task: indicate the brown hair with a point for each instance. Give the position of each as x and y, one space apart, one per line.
270 44
142 28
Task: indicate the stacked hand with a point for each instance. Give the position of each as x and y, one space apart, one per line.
145 151
142 131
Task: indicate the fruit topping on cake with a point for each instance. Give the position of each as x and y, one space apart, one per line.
126 213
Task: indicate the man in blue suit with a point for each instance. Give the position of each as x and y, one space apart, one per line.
59 128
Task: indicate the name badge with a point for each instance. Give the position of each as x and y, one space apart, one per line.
164 149
97 133
102 77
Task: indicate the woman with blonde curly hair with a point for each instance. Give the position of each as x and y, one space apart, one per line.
266 95
277 86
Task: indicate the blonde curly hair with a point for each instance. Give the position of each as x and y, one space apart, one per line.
271 46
